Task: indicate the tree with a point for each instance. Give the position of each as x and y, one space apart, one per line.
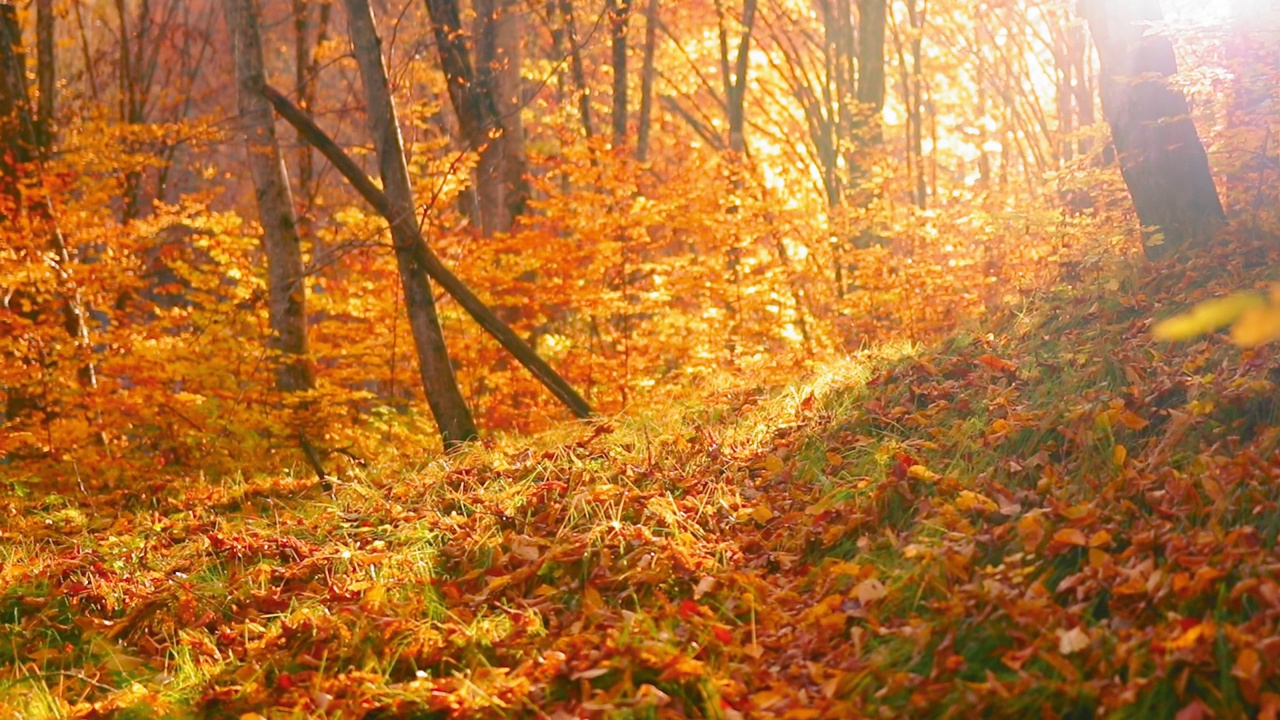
619 15
487 118
1161 158
286 286
441 386
21 152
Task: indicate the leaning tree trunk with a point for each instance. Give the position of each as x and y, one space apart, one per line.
1164 165
474 307
286 288
441 386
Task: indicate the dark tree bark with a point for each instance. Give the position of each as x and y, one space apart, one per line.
1163 162
46 73
20 154
871 23
576 67
305 69
286 286
499 30
476 308
441 386
619 16
647 73
501 188
735 80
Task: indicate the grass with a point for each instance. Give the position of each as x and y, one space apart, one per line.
1057 519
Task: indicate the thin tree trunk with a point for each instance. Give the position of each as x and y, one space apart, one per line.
305 69
286 286
735 77
46 73
646 81
1164 165
474 307
576 67
19 151
441 386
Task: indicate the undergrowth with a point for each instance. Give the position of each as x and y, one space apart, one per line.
1055 518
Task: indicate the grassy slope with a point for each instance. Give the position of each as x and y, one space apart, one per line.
1059 519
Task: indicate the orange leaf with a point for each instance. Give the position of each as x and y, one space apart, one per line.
997 364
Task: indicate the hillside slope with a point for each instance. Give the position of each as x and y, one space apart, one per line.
1061 518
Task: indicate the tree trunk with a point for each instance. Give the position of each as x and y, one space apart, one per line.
736 89
871 22
478 311
576 68
286 286
19 152
619 15
498 75
646 81
305 69
500 184
441 386
46 73
1164 165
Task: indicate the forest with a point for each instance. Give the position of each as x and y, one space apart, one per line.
561 359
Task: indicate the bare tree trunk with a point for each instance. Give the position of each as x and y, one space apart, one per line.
735 80
1164 165
576 68
19 151
619 15
441 386
286 286
646 81
305 69
498 74
500 183
46 73
871 22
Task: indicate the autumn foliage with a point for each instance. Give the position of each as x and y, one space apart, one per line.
881 429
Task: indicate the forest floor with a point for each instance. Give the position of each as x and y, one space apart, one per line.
1061 518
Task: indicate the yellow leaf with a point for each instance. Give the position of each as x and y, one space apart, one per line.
920 472
591 599
1257 326
773 464
762 514
1073 640
969 500
1206 317
1188 639
1118 455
